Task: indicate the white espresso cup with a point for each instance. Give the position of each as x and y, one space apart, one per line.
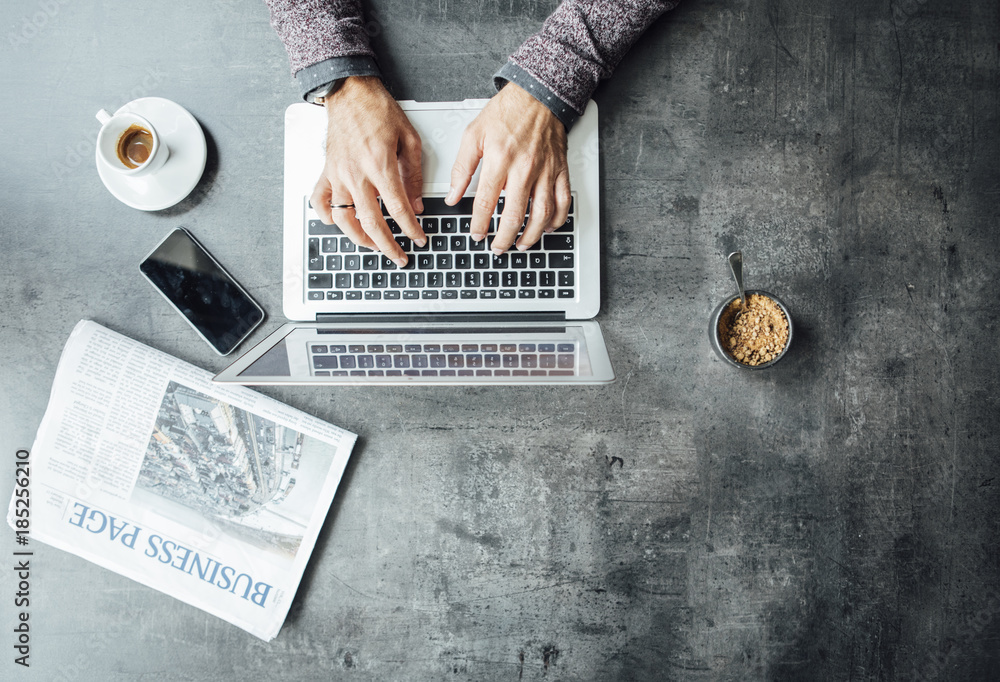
129 144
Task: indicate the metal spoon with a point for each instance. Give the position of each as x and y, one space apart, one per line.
736 265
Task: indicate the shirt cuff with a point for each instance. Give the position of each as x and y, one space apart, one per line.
515 74
325 72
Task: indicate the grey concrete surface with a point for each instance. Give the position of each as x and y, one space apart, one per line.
835 518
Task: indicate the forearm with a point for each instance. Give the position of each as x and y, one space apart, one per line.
325 40
580 44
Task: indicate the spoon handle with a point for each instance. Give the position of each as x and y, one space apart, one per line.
736 265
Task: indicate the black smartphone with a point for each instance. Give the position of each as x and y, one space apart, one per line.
202 291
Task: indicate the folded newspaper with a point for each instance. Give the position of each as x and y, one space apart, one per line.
212 494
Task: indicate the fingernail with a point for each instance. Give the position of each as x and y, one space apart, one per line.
451 195
420 205
421 242
521 247
498 251
476 237
401 262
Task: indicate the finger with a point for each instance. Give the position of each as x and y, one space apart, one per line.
411 172
390 188
344 217
320 199
543 207
487 195
369 216
470 151
564 197
514 208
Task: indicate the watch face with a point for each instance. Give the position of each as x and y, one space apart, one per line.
319 95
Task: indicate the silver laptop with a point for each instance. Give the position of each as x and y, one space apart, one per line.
457 314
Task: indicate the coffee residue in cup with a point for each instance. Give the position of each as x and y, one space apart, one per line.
134 146
758 335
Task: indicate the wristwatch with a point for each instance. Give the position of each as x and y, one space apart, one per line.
319 95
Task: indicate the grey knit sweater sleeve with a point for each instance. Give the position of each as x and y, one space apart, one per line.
580 44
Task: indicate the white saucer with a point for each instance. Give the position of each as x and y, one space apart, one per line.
179 175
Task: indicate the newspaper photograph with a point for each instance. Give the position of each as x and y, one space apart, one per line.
212 494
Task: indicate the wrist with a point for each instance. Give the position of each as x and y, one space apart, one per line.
355 88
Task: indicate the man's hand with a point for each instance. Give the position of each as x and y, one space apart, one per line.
372 150
523 149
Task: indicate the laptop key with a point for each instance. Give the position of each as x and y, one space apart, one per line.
546 293
334 263
318 227
320 280
469 293
557 242
566 278
352 262
560 260
373 295
369 261
565 293
508 293
335 295
536 260
567 226
353 295
347 246
410 295
328 244
343 280
315 295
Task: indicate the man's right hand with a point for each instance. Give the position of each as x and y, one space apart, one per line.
372 150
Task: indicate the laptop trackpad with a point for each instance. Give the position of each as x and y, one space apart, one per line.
441 133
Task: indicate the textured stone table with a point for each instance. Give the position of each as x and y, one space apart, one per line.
834 518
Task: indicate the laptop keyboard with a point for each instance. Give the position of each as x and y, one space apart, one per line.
450 266
502 359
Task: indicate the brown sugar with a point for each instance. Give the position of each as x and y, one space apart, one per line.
758 335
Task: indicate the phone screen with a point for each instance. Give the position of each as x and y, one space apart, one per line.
202 291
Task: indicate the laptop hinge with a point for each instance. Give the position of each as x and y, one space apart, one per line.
370 318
